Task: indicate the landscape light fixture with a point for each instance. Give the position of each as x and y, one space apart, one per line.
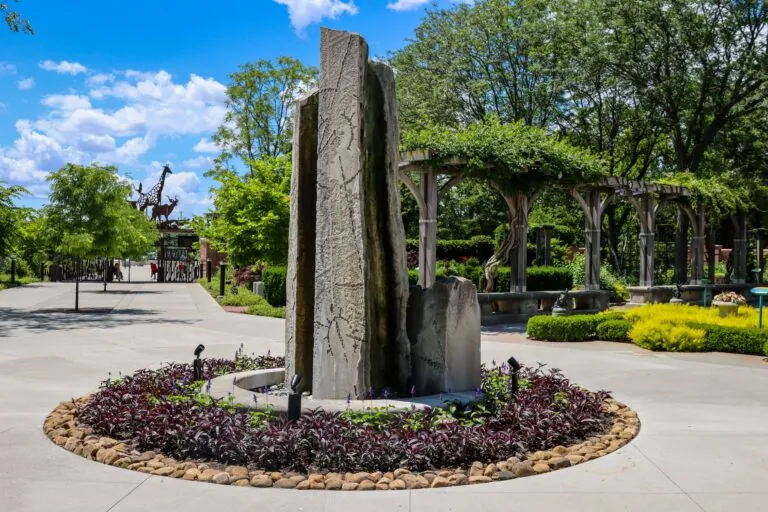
294 399
512 362
197 364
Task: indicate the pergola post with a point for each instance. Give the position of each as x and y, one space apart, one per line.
646 208
710 244
681 247
519 206
427 228
593 205
698 234
739 248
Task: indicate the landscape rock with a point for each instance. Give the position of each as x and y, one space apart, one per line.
261 481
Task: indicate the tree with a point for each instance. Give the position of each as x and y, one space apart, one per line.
251 214
494 57
89 216
260 100
9 218
700 65
15 21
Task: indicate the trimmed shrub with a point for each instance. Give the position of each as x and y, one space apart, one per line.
740 340
563 328
765 348
672 338
614 330
548 278
274 285
480 247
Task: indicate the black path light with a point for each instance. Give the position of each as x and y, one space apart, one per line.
197 364
13 269
222 277
208 268
515 368
294 399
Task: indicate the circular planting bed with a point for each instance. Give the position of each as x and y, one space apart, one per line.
162 423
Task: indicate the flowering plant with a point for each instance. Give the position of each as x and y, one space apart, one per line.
731 298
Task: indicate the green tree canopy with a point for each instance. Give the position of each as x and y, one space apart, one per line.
10 219
260 99
89 215
251 214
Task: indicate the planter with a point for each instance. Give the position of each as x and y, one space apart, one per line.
726 308
559 312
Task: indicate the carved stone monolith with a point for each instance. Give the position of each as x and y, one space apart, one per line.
357 273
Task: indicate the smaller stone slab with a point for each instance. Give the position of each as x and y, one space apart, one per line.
444 328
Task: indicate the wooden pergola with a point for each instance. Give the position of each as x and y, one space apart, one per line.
593 197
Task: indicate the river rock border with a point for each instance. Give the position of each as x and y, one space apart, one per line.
62 427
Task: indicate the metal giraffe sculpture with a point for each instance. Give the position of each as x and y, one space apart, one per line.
153 197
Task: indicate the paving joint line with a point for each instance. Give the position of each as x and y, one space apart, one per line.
669 478
131 492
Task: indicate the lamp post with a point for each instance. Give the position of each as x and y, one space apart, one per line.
13 269
222 278
208 269
294 399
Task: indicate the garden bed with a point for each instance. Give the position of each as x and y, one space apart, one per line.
161 423
668 327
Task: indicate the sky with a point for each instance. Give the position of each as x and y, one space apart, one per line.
142 84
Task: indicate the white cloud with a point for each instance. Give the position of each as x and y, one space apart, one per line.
406 5
306 12
198 162
206 146
143 108
99 79
7 68
66 102
26 83
63 67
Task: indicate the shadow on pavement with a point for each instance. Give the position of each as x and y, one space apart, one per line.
125 292
56 319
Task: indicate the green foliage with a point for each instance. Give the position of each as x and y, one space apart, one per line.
260 99
15 21
614 330
739 340
378 418
563 328
569 328
608 280
10 218
257 305
89 215
251 214
514 157
274 284
718 195
480 247
5 281
548 278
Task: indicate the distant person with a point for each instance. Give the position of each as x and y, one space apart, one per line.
118 272
153 268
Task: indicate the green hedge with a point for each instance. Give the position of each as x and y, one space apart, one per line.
739 340
274 285
614 330
568 328
480 247
548 278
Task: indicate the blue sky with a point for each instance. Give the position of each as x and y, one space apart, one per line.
140 84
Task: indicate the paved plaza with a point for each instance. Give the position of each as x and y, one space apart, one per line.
703 445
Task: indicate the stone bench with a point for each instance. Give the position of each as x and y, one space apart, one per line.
512 307
692 293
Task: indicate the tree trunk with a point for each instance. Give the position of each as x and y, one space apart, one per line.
77 285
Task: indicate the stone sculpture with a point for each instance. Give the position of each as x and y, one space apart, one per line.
347 287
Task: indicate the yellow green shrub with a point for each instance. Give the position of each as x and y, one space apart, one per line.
683 314
667 336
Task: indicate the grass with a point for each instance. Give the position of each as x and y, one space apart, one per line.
5 281
256 304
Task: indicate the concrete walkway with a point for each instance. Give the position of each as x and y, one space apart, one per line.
703 445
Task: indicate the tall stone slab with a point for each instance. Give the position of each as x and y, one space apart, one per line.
444 327
300 279
360 273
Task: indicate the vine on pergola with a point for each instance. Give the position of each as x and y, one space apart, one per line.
515 159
